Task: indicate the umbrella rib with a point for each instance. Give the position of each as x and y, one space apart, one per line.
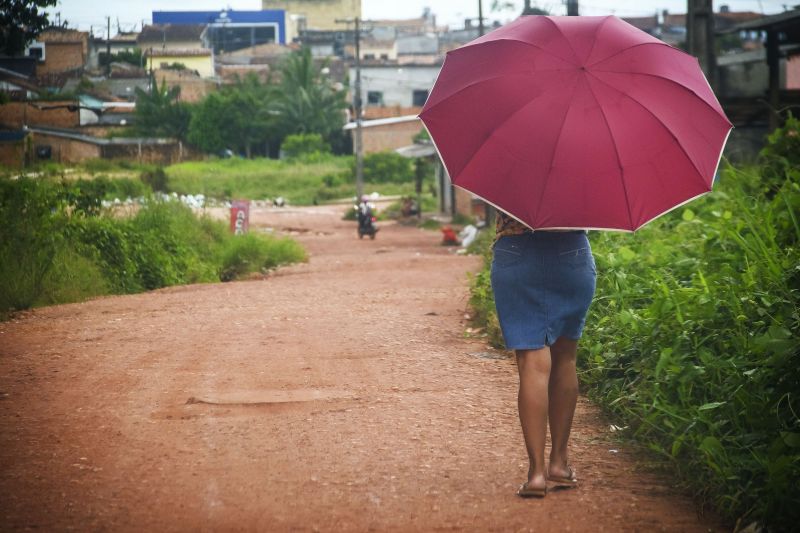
663 78
669 131
574 53
555 147
520 41
630 48
499 125
616 152
594 42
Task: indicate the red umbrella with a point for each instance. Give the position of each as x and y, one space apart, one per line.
576 122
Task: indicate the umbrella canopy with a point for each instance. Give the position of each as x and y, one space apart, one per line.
576 122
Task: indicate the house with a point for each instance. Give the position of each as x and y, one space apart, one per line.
98 48
61 53
315 14
198 60
327 43
372 48
389 84
171 37
229 30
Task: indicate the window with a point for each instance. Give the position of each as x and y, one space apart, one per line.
384 56
418 97
374 98
369 56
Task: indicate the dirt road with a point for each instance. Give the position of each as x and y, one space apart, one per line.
337 395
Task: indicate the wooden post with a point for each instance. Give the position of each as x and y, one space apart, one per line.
700 37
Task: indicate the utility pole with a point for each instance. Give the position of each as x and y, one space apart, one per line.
358 144
700 36
108 47
481 29
572 8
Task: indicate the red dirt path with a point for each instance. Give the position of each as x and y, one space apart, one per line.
337 395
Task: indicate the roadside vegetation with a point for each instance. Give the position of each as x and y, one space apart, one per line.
59 244
693 340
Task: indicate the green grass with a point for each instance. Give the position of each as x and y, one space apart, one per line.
300 182
693 342
57 245
254 179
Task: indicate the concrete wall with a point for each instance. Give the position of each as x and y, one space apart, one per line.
163 154
389 136
16 114
319 14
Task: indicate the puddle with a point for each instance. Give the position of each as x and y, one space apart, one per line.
489 355
270 397
249 403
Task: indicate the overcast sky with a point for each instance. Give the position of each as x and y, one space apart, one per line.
87 13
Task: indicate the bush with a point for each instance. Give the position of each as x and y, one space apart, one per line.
57 246
693 341
387 167
304 145
254 253
155 178
781 155
31 219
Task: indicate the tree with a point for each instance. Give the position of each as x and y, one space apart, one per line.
160 113
20 22
308 102
237 117
528 10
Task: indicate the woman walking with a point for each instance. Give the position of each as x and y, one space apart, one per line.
543 283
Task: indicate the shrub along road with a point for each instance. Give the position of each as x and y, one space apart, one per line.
336 395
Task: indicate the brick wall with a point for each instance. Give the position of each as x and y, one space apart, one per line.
12 154
389 136
468 204
61 57
193 88
14 114
371 112
67 150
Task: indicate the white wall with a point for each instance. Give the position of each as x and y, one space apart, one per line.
397 82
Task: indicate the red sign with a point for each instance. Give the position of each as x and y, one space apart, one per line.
240 216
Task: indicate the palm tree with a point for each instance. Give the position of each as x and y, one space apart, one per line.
308 102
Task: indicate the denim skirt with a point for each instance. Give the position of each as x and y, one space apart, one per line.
543 284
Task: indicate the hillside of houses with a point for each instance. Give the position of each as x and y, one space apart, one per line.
72 94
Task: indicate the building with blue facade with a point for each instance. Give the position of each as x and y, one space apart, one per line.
230 30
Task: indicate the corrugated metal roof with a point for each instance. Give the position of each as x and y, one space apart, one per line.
381 122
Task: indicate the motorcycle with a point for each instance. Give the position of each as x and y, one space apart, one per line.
366 220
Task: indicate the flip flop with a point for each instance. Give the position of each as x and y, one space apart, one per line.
565 481
525 491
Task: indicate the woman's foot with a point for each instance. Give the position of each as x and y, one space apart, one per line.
527 491
563 476
535 487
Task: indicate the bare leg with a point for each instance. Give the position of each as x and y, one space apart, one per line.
563 396
534 374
